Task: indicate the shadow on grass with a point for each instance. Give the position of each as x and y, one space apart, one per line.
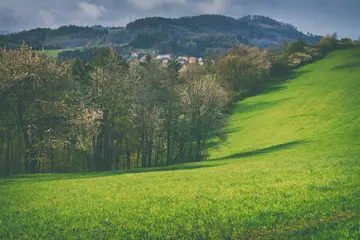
70 176
274 148
291 75
273 88
355 54
348 65
233 130
346 222
247 108
277 82
216 143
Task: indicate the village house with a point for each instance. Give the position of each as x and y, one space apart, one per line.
134 54
192 60
165 56
165 62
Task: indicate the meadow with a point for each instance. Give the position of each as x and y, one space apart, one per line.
55 52
289 170
116 30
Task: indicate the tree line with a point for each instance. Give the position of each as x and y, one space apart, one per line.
62 37
103 113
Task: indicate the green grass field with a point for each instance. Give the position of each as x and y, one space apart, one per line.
290 170
55 52
8 44
115 30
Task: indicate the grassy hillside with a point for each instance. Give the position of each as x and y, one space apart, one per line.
289 170
55 52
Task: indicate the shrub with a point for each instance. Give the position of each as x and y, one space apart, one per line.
244 69
327 44
313 52
279 65
298 59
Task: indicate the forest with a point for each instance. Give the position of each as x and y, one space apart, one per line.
192 36
102 113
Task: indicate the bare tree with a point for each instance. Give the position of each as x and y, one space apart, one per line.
204 102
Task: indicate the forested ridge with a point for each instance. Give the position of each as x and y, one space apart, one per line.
104 113
194 36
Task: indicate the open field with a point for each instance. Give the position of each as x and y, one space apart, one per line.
55 52
8 44
290 169
116 30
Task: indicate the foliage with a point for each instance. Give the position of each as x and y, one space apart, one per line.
298 58
107 115
204 101
296 47
298 53
244 69
327 43
63 37
147 39
31 88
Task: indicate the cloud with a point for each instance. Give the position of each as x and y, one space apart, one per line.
152 4
8 19
47 18
214 6
91 10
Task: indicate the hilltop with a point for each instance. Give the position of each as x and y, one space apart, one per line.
289 169
2 32
195 36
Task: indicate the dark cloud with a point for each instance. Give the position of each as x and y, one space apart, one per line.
8 18
316 16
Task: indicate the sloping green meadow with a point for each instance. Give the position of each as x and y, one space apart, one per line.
290 170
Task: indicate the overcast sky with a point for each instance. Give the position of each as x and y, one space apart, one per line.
315 16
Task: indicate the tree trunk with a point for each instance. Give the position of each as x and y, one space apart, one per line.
52 154
198 150
198 134
191 150
138 157
150 149
20 165
128 153
33 165
28 168
94 145
87 161
98 153
181 150
119 151
8 155
144 152
106 141
1 149
168 147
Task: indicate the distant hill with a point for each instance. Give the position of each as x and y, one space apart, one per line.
3 32
198 35
258 30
